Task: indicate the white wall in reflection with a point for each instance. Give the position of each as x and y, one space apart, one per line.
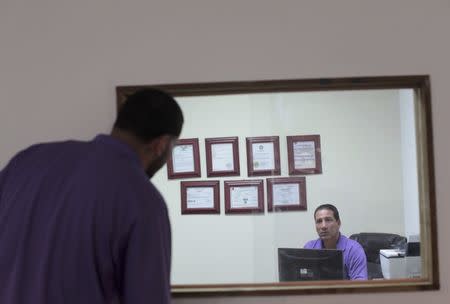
369 173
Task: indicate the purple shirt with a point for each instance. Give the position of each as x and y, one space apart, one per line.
355 262
81 223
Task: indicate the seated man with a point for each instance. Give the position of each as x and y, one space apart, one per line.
328 223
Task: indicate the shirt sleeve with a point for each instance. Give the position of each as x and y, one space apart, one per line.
146 268
11 166
357 268
2 173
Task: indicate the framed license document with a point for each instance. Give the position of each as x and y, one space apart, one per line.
184 160
304 154
285 194
222 156
244 196
263 156
200 197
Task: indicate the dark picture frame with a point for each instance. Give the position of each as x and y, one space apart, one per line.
211 154
199 197
256 167
300 154
275 191
187 167
231 189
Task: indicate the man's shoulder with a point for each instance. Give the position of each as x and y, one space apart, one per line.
313 244
353 246
353 243
349 242
53 146
45 150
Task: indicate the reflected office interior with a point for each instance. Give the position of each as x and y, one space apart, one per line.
369 172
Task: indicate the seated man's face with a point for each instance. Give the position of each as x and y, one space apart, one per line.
326 225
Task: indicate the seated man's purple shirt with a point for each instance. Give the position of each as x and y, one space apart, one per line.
355 262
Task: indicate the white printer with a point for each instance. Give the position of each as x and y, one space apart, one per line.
402 263
393 263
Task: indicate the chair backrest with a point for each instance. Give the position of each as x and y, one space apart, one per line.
372 242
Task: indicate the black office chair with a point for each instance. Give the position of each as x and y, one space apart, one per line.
372 242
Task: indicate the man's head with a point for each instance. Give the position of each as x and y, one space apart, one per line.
327 221
150 120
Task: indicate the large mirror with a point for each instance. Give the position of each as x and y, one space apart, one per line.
254 161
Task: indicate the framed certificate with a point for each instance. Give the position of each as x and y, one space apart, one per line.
222 156
304 155
185 159
200 197
263 156
244 196
285 194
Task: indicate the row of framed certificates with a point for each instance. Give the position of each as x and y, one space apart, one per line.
263 156
243 196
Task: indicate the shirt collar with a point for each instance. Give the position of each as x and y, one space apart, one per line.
341 242
118 145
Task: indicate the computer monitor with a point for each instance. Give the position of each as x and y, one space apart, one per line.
298 264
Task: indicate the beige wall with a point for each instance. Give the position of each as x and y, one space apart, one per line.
60 62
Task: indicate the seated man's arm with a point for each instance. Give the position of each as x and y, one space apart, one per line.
357 266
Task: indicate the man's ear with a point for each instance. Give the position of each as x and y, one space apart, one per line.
158 146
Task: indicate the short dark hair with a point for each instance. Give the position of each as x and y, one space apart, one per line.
149 113
328 207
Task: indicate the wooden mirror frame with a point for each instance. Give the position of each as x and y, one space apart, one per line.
426 183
